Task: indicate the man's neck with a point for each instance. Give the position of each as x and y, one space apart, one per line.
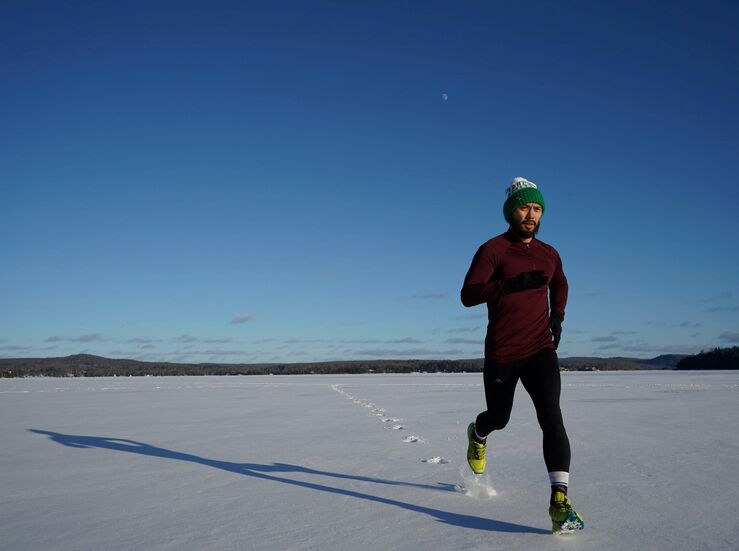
519 236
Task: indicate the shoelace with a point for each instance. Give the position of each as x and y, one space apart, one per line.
478 451
563 506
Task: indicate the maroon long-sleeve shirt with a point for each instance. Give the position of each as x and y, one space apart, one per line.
518 323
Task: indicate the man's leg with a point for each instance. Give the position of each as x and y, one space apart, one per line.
500 385
541 380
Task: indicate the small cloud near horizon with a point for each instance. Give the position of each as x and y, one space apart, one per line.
323 277
471 317
476 316
729 336
721 296
404 340
659 348
464 341
243 318
384 352
465 329
93 337
721 309
431 296
15 348
220 352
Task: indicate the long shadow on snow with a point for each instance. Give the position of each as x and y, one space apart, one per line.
262 471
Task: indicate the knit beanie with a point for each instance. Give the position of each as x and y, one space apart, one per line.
520 192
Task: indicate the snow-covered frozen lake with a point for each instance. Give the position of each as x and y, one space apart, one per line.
373 462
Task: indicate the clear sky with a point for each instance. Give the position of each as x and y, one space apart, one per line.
302 181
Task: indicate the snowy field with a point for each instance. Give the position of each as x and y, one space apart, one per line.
371 462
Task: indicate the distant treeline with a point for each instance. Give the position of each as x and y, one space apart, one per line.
86 365
718 358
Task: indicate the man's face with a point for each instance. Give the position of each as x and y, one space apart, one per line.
525 219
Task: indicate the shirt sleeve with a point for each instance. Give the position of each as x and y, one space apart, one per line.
479 286
558 289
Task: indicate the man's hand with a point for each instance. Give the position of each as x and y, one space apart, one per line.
524 281
555 321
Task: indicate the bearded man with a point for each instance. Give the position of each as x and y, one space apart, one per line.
521 281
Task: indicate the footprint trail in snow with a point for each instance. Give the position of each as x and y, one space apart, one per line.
476 486
394 423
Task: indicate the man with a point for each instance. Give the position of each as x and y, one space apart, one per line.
520 278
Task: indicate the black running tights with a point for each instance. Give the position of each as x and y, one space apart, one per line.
540 377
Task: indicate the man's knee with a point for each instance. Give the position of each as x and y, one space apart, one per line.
489 421
500 421
550 420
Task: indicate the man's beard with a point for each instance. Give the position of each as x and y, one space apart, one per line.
519 230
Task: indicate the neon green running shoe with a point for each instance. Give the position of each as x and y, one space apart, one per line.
475 452
564 519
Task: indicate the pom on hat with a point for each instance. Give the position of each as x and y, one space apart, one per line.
520 192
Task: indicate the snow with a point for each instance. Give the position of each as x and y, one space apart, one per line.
361 462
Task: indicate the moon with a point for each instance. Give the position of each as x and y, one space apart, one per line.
445 96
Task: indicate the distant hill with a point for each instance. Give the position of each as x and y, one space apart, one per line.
665 360
718 358
86 365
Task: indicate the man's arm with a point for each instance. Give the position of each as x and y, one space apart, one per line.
558 301
478 285
558 290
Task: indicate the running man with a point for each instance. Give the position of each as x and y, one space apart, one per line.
521 280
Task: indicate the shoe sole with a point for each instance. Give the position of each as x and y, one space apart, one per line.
573 524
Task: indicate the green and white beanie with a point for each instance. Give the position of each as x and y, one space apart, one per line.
520 192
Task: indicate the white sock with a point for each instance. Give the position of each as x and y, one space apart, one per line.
559 478
481 438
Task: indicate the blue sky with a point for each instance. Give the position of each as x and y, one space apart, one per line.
308 181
